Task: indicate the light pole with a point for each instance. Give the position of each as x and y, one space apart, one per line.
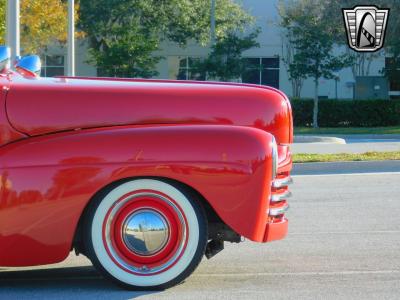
212 22
71 39
13 29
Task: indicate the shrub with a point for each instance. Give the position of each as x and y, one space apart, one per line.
347 113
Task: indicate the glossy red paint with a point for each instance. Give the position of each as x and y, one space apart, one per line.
276 229
47 181
62 140
41 106
7 132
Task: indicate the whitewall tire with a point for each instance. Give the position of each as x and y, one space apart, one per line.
146 233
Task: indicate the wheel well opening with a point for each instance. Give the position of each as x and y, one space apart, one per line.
212 217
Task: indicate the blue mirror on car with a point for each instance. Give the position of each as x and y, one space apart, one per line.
5 55
29 65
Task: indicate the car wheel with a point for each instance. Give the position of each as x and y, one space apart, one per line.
145 234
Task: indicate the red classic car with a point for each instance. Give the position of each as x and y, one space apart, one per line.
144 177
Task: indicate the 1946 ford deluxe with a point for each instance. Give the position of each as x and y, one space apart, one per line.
144 177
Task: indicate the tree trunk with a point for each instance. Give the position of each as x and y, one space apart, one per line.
297 84
294 90
315 113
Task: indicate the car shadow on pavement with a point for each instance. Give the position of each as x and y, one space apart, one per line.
82 282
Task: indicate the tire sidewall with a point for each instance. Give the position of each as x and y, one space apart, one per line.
190 258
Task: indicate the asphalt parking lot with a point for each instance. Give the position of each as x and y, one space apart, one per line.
344 243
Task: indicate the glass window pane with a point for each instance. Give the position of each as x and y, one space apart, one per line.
251 76
193 60
182 74
270 62
395 83
394 80
183 63
54 71
252 62
196 76
54 60
270 77
389 62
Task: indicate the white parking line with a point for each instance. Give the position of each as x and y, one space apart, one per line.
334 273
347 232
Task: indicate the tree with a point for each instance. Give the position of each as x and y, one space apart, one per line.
296 76
225 62
392 42
43 22
124 34
332 13
313 38
362 60
2 21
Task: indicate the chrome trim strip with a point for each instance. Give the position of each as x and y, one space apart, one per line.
274 155
281 196
278 183
278 210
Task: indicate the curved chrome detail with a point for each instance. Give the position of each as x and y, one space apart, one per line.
281 182
144 269
276 211
29 65
5 55
274 158
281 196
145 232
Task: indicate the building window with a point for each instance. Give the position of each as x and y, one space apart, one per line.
394 79
53 65
181 68
262 70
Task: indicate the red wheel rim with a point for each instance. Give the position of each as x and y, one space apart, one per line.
128 210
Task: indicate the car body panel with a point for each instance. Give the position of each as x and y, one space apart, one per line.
62 140
42 106
47 181
7 132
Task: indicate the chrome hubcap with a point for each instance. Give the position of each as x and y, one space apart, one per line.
145 232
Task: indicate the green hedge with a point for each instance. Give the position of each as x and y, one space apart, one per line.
347 113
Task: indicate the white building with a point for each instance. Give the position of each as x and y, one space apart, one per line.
265 63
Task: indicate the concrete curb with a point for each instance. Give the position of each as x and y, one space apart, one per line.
318 139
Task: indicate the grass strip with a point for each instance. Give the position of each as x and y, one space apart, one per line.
348 130
314 157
